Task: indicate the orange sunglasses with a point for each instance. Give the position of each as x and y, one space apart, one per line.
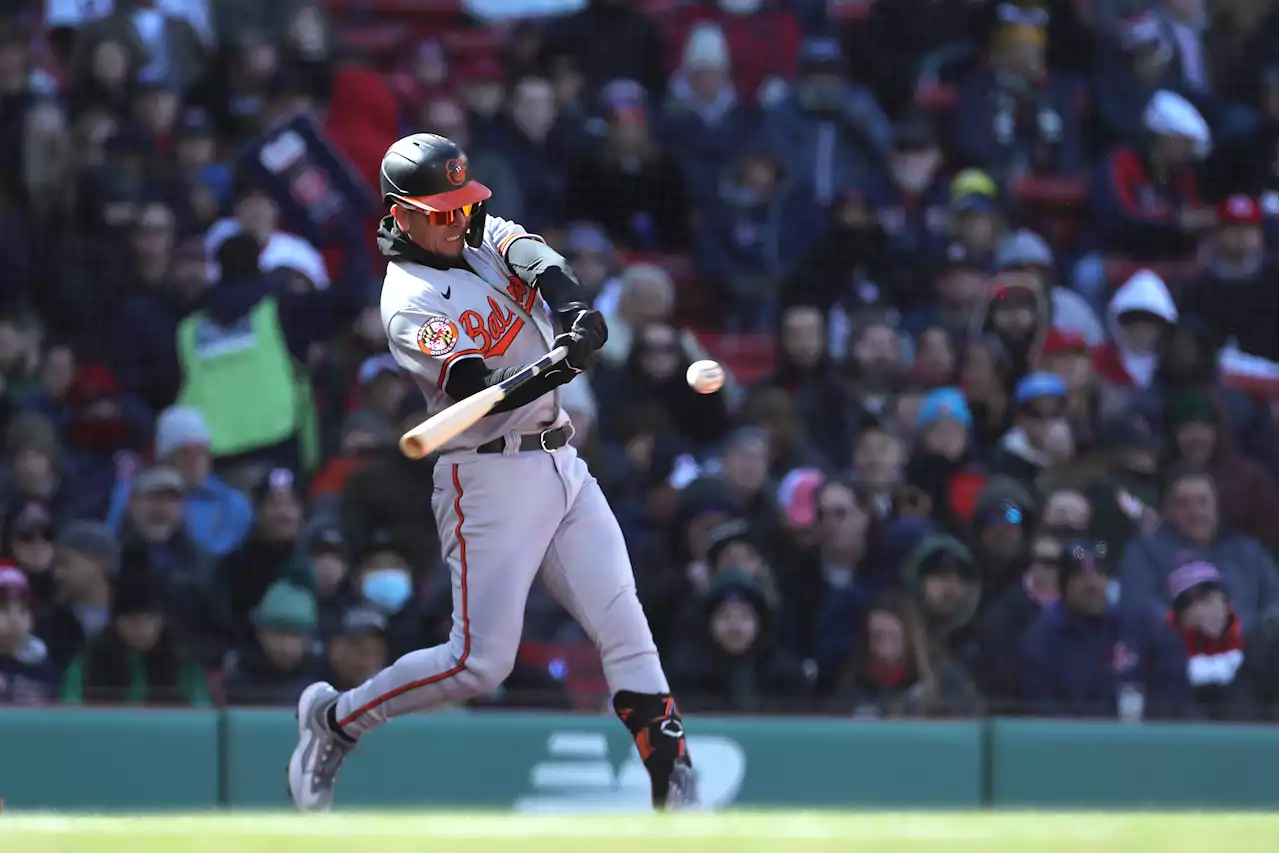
447 217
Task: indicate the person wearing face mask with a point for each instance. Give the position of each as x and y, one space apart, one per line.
829 133
735 663
1015 116
1041 437
383 580
911 200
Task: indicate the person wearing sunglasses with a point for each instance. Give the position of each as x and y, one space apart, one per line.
468 301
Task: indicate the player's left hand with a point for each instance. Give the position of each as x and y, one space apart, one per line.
586 322
581 356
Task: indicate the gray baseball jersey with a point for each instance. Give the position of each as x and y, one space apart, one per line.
504 519
436 317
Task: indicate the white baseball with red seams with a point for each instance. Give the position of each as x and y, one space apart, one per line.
705 377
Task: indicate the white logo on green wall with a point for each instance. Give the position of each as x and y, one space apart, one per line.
578 775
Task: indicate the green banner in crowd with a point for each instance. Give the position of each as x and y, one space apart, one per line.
164 760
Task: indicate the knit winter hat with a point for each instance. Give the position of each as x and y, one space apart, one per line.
180 426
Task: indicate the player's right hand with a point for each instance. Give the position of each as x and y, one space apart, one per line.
581 354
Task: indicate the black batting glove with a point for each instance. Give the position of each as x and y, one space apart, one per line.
581 354
577 318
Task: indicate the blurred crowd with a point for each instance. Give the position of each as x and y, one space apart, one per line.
1011 263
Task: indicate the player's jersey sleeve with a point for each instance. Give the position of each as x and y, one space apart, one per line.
427 342
499 234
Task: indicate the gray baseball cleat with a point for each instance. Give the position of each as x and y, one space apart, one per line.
319 754
682 789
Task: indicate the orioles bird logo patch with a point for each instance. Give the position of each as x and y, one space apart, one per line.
456 171
438 336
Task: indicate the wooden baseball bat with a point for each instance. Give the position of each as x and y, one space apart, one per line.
446 425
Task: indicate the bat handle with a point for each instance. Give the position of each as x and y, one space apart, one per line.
539 367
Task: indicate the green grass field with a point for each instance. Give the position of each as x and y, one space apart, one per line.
732 832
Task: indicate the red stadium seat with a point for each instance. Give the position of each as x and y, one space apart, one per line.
849 11
749 357
1049 191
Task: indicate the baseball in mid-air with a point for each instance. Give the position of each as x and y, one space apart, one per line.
705 377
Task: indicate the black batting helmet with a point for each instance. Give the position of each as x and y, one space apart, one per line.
429 173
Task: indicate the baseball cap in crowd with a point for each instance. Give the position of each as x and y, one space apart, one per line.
798 496
31 431
180 426
1142 32
625 101
1003 501
13 584
359 621
93 539
1170 114
275 480
1187 407
724 535
973 190
587 238
1023 248
157 478
915 132
1083 555
136 591
195 123
328 540
942 404
1187 581
958 256
32 521
706 48
286 607
1130 431
820 54
1035 386
376 365
1021 21
1239 209
1060 341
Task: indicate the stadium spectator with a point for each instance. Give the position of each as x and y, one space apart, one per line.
357 650
138 658
895 672
27 674
1192 530
911 200
946 586
1041 437
278 659
1076 660
28 542
86 558
1137 318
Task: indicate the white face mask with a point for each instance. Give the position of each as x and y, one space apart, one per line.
914 172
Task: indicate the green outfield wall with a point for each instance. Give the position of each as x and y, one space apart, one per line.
87 759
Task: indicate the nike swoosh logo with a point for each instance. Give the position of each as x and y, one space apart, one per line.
448 291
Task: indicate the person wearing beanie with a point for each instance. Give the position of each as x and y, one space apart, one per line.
1007 618
216 516
1084 657
704 118
1025 254
280 657
27 674
1202 615
138 658
946 585
1041 437
1003 518
26 538
269 554
942 466
105 429
1018 314
86 558
1196 436
35 464
735 663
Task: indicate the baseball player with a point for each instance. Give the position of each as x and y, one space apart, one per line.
469 300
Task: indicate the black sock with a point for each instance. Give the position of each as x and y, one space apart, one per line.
654 722
331 720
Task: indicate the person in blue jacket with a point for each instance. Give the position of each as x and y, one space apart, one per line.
218 517
1074 662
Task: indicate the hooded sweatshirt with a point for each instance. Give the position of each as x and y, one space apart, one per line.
1115 361
1026 353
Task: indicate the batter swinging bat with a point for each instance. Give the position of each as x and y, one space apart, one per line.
443 426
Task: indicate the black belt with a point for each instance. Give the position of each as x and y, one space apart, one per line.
548 440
